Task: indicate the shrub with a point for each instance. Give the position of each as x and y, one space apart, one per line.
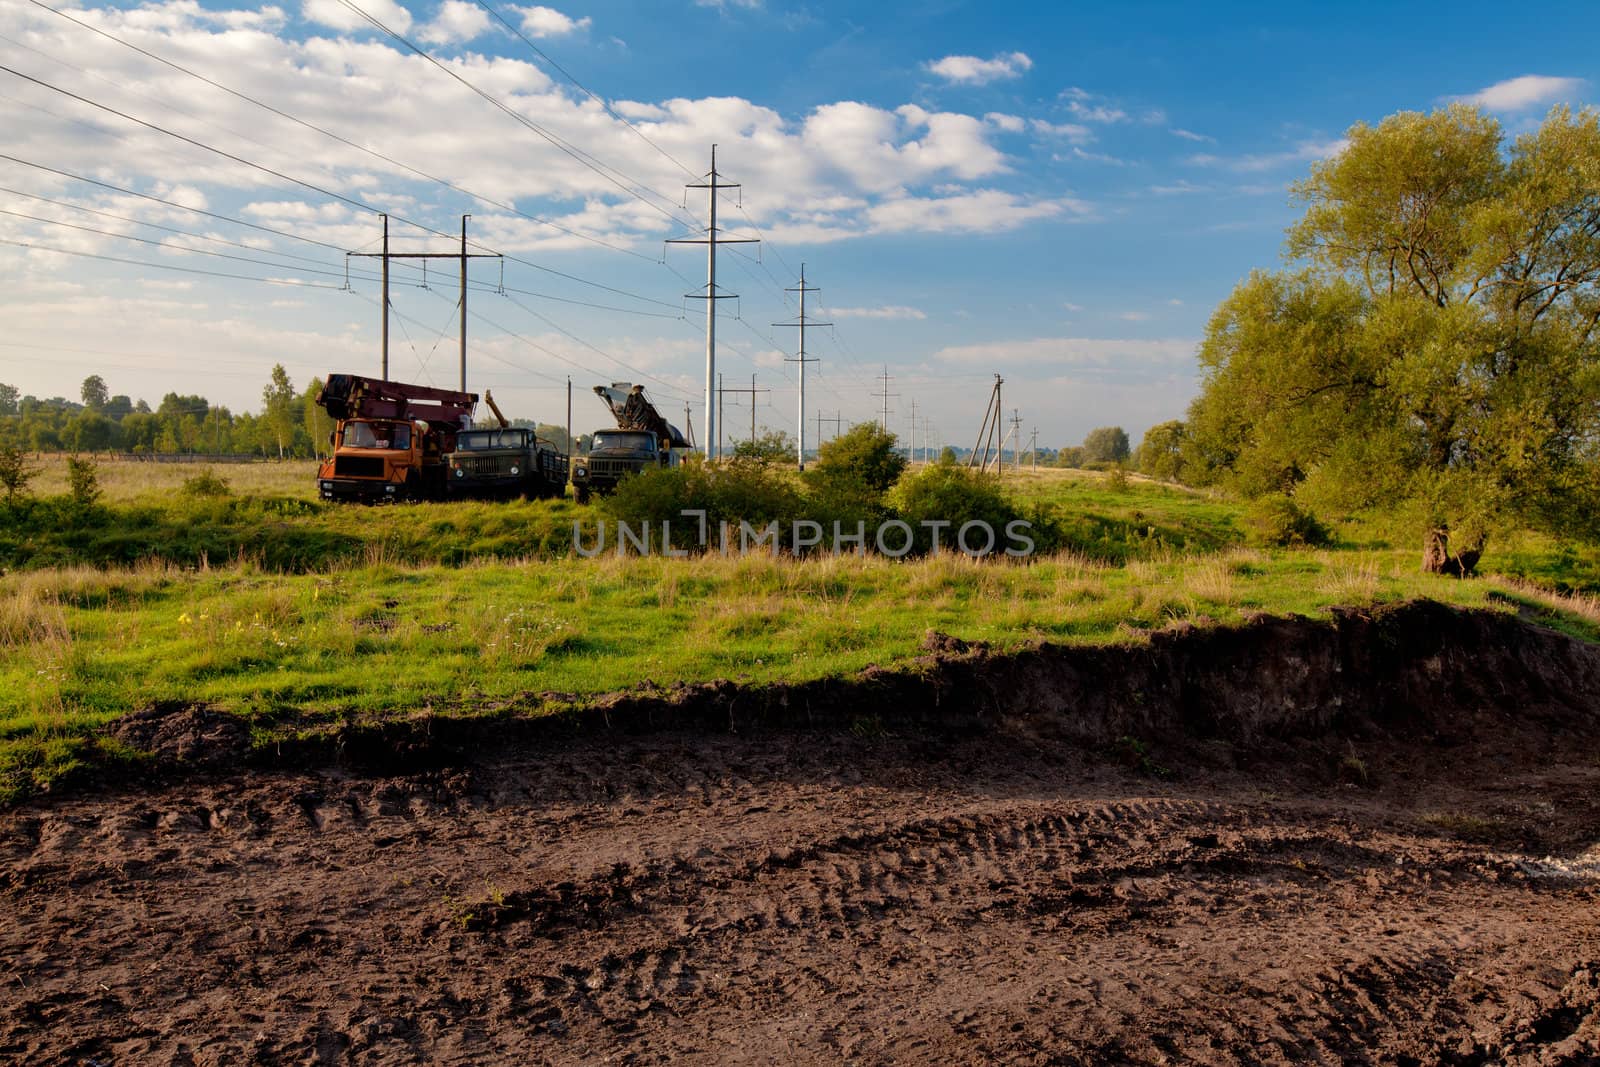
863 459
206 484
958 495
735 492
16 473
83 481
1277 521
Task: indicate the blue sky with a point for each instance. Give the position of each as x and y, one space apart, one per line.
1057 193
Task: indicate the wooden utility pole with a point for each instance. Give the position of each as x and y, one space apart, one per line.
989 434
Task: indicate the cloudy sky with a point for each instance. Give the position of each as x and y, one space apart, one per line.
1056 193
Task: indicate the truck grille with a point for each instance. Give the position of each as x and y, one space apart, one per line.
479 464
358 466
613 467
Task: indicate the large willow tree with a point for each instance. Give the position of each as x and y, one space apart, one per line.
1437 348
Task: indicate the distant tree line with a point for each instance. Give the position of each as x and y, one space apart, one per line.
289 423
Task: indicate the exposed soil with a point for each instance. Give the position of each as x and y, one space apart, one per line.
1371 841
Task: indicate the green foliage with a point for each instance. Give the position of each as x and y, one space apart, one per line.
864 459
956 495
83 482
16 473
774 446
206 483
1072 457
8 399
94 392
729 493
1276 521
1106 444
1442 349
947 456
1161 453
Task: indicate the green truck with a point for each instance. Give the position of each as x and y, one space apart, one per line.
642 440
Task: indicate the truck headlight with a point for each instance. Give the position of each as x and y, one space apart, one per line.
515 469
581 472
460 473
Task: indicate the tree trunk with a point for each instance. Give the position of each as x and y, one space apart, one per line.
1438 558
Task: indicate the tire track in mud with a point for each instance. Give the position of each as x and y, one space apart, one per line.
664 904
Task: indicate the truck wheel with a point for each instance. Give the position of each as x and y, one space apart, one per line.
582 493
413 488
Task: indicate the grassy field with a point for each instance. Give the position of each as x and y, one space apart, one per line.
461 607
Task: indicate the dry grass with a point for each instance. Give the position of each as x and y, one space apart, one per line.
124 479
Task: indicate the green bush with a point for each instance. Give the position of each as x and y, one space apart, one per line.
1278 522
83 482
737 492
957 495
205 484
862 461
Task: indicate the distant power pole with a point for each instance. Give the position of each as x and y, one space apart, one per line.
1016 440
803 359
885 396
461 309
688 423
752 391
913 429
989 438
838 425
712 240
1033 447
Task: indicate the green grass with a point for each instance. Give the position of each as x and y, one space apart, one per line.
292 613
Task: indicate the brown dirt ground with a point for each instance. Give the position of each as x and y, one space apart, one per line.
1369 840
813 898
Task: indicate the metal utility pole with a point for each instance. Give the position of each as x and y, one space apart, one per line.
1033 448
885 396
462 256
572 446
720 423
913 429
385 374
803 359
989 433
1016 440
712 240
752 391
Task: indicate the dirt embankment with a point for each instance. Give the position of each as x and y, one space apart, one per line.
1366 841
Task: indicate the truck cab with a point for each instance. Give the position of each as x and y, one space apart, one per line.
391 438
508 461
614 454
392 459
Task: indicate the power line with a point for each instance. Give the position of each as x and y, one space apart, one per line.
292 282
337 137
577 154
590 93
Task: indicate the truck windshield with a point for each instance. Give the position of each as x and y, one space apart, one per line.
637 442
477 440
377 435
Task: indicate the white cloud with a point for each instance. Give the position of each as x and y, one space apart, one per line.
1190 135
970 70
1134 316
1082 106
723 5
1072 307
1008 123
981 211
335 15
1109 353
1519 94
1304 152
1071 131
548 22
889 311
1098 157
1179 188
457 21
